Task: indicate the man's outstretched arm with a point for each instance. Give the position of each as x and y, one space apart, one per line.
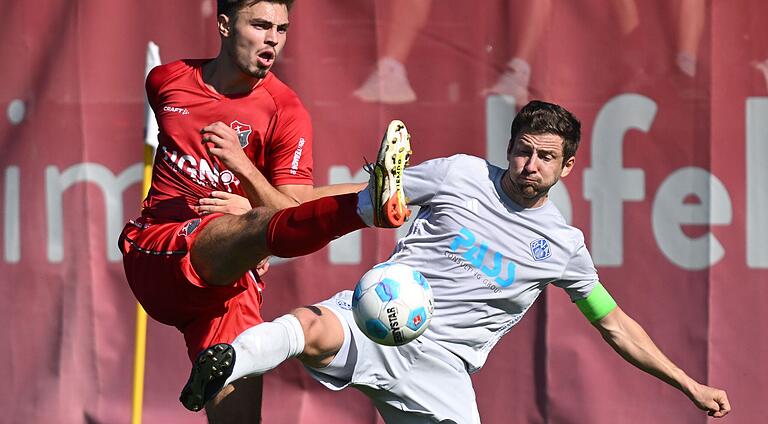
630 341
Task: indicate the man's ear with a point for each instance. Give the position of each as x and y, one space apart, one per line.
223 24
568 166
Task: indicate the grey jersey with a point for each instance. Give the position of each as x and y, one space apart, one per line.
486 258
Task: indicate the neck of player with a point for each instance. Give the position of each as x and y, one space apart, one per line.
223 77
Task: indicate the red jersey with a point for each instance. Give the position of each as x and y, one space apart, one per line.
273 126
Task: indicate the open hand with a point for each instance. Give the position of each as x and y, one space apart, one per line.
223 202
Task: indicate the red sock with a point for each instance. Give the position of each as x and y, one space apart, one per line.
308 227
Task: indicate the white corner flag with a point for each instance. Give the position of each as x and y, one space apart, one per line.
150 145
150 122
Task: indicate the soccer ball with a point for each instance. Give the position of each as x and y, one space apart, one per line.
392 304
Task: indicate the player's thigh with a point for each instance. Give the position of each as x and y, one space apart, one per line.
239 402
230 245
436 388
392 415
323 335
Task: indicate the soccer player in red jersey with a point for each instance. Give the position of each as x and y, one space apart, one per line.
228 127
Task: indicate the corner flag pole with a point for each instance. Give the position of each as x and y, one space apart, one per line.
150 145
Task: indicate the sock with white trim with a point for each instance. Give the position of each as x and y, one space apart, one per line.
365 207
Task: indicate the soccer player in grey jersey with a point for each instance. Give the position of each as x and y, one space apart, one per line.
489 241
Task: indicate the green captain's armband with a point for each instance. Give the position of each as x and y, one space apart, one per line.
597 305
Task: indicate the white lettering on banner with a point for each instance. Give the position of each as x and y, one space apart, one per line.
12 224
56 183
671 212
757 182
346 250
607 183
605 178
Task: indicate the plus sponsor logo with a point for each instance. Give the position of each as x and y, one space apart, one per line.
243 132
486 265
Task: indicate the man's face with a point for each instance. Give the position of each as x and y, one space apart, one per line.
255 37
535 165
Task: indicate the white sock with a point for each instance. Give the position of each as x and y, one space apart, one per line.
365 207
267 345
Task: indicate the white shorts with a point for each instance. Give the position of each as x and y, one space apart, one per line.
420 382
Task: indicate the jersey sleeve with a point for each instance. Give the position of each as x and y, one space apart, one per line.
423 181
290 153
580 276
159 77
152 85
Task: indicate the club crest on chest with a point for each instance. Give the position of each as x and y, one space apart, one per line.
243 132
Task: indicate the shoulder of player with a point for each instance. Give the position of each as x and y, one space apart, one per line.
165 73
556 222
463 166
466 162
283 96
456 170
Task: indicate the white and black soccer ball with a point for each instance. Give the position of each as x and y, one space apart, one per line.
392 304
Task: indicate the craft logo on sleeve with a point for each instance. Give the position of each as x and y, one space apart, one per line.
179 110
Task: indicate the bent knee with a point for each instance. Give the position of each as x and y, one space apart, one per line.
260 216
323 333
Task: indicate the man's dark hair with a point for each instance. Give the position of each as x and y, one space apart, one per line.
231 7
539 117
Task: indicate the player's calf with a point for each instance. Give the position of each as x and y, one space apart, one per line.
230 245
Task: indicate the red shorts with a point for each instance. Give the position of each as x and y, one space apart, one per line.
160 273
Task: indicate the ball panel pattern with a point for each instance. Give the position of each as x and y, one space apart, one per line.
392 304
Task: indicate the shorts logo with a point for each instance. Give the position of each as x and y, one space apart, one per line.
343 301
540 249
243 131
189 227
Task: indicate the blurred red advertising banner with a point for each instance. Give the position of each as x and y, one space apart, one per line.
670 189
